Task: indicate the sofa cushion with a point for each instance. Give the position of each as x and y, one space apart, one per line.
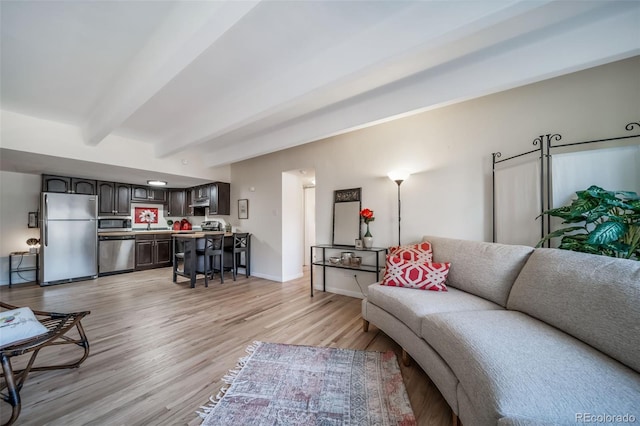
487 270
594 298
510 364
416 252
410 306
418 275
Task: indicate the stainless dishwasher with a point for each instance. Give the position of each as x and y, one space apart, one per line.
117 253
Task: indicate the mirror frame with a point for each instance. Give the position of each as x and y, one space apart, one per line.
347 196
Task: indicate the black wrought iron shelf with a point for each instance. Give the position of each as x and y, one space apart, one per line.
324 263
367 268
16 270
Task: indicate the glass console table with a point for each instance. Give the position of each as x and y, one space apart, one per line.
375 266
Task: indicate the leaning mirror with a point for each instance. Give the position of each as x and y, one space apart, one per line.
346 216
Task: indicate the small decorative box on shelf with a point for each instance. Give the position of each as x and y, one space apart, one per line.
346 258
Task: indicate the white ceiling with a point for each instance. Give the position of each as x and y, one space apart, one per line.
241 79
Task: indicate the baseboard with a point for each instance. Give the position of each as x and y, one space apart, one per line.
292 277
266 277
342 291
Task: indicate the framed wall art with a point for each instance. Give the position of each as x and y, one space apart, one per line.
243 209
146 215
33 220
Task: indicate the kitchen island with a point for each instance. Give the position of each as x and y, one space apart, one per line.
139 250
184 250
189 248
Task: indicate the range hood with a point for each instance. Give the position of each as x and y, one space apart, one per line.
200 202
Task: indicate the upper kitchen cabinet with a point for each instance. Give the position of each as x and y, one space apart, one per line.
148 194
177 203
114 199
69 185
220 198
200 192
83 186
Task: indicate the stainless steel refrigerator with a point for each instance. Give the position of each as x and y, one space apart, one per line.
68 238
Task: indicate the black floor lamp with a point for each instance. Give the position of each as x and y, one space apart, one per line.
399 177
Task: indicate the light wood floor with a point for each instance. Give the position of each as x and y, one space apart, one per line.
159 349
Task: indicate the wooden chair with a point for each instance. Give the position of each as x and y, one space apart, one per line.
241 244
58 325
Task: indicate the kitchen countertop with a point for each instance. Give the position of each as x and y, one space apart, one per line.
186 234
200 234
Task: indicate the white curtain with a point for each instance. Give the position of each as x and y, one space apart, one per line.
517 203
614 169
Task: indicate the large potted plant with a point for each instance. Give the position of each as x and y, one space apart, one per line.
603 222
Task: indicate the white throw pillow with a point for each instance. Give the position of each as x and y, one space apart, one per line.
19 324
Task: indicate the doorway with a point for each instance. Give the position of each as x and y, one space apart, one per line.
298 221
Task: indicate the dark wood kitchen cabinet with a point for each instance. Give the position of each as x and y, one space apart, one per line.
176 203
148 194
114 199
153 251
201 191
220 198
68 185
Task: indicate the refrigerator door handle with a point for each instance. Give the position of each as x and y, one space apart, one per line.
46 220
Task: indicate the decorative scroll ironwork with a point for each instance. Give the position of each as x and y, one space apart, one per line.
631 125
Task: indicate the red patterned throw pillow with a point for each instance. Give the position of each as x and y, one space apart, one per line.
416 252
419 275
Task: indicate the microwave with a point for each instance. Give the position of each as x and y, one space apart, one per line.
114 223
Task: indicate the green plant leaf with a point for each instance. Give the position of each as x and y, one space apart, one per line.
584 205
580 246
619 248
607 232
615 202
559 233
611 223
629 195
635 205
595 214
561 212
596 191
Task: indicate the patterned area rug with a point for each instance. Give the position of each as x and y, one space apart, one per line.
279 384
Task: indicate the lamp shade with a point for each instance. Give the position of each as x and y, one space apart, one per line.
399 175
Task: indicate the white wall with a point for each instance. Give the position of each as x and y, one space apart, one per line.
292 226
448 151
264 194
20 194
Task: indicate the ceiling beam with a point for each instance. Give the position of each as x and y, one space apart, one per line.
416 33
562 51
188 31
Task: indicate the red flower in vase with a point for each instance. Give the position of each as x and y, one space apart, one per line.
367 215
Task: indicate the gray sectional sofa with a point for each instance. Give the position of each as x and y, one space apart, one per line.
523 336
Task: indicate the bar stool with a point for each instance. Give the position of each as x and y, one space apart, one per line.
241 244
214 246
185 250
